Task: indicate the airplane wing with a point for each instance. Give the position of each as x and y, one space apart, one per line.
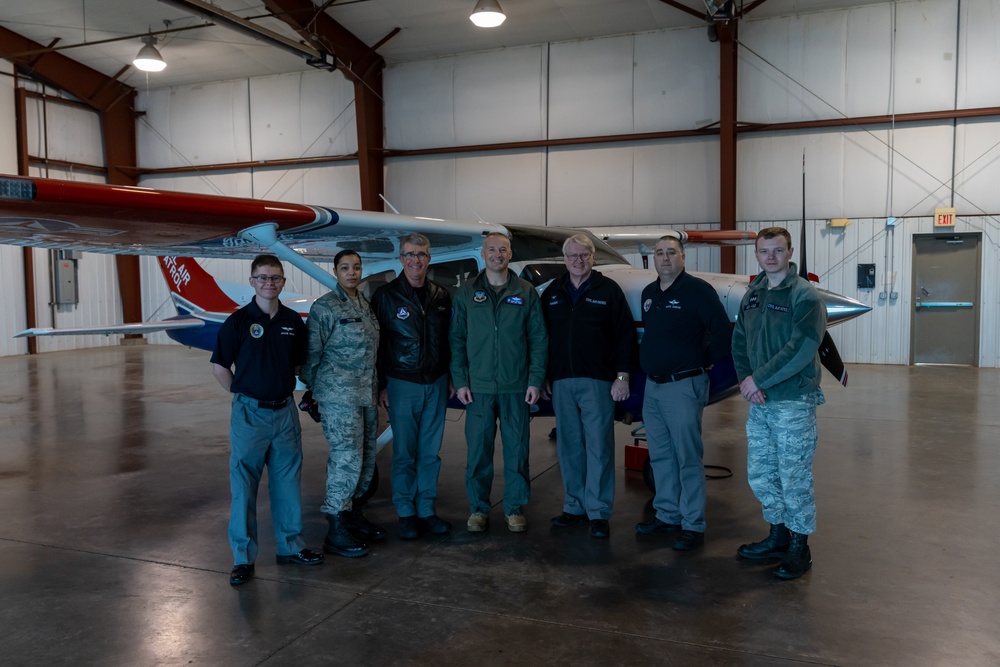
133 328
643 239
138 221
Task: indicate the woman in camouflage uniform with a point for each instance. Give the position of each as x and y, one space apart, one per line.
340 370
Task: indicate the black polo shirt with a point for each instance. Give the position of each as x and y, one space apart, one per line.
265 351
685 327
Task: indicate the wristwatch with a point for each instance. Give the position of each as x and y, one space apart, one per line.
623 377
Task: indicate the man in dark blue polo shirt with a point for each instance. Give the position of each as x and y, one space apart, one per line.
686 331
266 342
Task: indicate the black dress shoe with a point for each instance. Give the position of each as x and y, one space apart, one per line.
434 525
600 528
566 519
241 574
408 529
654 525
304 557
689 539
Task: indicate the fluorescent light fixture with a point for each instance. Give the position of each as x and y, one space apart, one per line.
149 59
488 14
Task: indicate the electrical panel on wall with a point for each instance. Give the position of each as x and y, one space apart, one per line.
866 276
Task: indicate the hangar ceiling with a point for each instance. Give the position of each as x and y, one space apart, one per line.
104 34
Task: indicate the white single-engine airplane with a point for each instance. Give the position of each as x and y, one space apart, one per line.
176 226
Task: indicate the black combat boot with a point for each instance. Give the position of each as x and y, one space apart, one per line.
773 546
797 559
339 540
361 527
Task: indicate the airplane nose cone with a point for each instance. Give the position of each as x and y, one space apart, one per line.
841 308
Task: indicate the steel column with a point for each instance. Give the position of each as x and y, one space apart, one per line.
728 68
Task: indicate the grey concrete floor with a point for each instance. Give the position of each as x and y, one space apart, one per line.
114 497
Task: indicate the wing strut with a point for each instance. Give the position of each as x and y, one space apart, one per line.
265 235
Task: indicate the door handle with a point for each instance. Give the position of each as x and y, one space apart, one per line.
944 304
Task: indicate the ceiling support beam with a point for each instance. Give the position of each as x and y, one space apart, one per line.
27 253
363 67
115 103
728 68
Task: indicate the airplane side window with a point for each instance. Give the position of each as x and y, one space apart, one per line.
452 275
374 281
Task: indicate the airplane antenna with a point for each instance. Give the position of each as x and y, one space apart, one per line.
803 271
476 213
387 203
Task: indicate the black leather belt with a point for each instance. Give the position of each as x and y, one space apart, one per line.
264 405
683 375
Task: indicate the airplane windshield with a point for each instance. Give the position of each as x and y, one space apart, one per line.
541 244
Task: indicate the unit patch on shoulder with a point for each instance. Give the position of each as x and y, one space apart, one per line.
256 330
402 313
515 300
479 296
646 304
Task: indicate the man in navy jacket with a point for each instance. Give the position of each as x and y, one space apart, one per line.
591 349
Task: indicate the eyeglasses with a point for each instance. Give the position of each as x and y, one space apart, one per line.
582 257
415 255
274 280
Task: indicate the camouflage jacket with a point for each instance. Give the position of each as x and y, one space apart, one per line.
343 343
777 336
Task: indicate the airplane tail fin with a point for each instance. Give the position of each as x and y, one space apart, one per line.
195 287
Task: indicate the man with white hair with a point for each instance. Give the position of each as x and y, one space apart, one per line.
591 351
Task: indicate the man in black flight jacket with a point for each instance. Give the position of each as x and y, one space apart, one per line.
414 314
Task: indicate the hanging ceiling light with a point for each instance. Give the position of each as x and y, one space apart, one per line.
149 59
488 14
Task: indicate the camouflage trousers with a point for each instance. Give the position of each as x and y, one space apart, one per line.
351 431
781 443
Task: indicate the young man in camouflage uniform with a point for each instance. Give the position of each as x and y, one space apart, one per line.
776 342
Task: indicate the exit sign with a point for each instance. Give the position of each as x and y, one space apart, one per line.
944 217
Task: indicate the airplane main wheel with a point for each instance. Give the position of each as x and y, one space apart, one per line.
372 486
647 476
